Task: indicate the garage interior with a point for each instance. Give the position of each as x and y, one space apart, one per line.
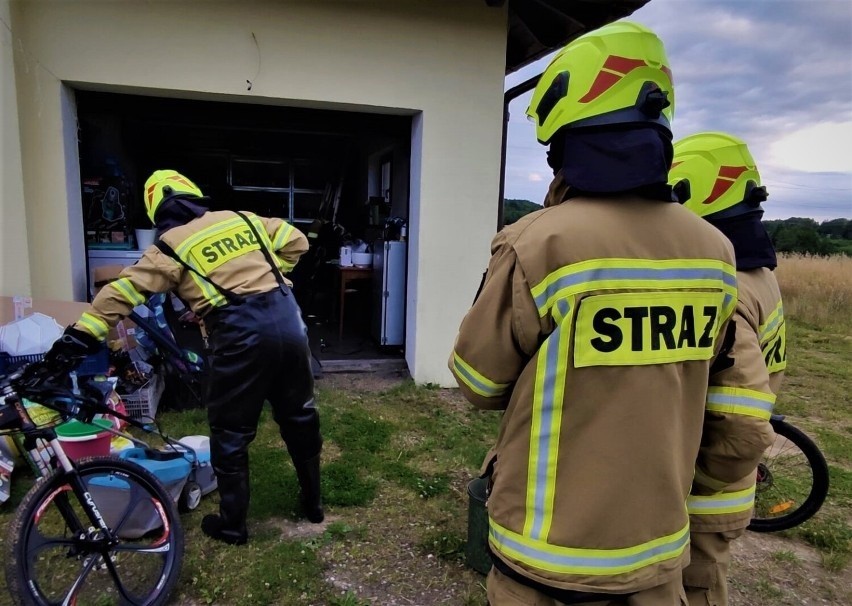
341 177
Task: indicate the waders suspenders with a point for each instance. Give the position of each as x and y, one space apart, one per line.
232 297
275 271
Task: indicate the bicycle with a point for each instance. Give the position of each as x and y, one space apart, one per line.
792 480
100 530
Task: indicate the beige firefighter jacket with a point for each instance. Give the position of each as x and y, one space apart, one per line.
594 331
220 245
760 327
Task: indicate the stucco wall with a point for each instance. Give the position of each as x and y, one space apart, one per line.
14 260
440 60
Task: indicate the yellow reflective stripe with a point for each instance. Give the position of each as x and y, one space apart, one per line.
546 425
258 225
125 287
596 562
282 236
214 297
94 325
476 381
208 231
637 274
746 402
722 503
773 340
267 242
773 321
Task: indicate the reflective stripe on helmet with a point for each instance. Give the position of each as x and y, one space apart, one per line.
613 70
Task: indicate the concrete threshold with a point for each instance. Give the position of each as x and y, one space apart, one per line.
365 365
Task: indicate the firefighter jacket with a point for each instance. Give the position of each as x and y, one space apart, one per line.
737 398
595 330
218 244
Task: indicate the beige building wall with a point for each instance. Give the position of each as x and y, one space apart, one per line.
14 258
441 61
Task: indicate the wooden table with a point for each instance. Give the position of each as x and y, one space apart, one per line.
347 275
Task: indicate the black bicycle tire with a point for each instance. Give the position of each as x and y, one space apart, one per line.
16 561
819 487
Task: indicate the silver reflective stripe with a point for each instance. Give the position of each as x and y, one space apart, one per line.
572 560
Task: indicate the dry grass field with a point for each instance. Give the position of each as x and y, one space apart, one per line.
817 291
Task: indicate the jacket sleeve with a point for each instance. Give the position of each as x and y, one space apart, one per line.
153 273
499 333
739 404
288 243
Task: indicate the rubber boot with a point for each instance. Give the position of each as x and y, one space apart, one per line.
229 526
308 473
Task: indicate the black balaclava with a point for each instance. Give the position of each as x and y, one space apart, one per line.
752 245
179 210
617 160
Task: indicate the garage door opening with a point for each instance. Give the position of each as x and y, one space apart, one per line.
340 177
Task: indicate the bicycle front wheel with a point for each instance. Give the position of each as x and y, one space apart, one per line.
55 555
792 481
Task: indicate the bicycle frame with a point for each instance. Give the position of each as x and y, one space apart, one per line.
58 462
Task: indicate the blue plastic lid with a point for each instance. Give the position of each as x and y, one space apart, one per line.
167 471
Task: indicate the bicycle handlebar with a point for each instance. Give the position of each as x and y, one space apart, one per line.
47 391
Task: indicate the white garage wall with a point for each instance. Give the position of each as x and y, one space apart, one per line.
440 60
14 260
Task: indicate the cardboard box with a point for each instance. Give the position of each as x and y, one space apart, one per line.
64 312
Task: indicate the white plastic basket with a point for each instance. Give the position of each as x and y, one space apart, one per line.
142 403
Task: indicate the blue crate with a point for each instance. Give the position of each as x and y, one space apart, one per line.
95 364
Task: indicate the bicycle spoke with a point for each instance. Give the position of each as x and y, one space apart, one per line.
135 561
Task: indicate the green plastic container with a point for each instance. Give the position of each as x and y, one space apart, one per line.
84 440
476 550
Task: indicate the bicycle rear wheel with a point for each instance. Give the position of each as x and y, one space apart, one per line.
55 556
792 481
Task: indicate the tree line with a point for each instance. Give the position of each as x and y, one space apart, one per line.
803 235
796 234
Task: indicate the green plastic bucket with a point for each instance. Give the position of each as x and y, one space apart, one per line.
476 550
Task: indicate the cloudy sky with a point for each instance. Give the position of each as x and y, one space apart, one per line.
777 73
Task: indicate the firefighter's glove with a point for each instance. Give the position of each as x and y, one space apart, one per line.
69 351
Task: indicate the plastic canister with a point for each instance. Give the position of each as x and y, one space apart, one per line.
476 550
83 439
345 256
144 238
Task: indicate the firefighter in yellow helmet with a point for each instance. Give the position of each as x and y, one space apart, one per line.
714 175
595 331
228 268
